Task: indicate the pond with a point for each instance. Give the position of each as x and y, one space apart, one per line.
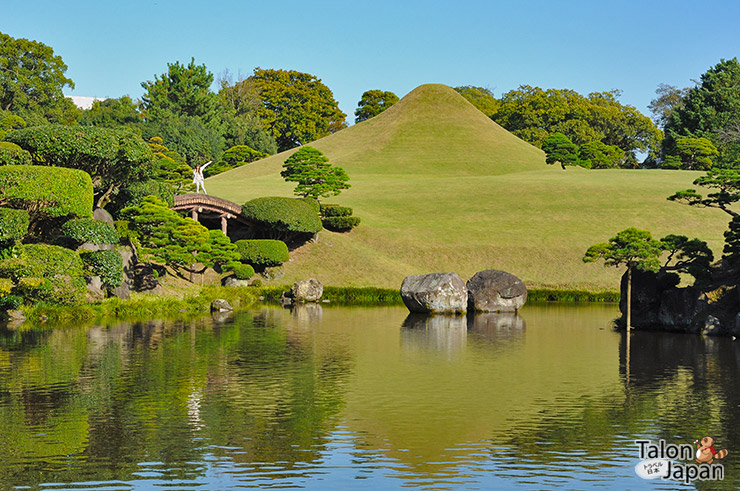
361 398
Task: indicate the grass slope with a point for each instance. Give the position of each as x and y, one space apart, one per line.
440 187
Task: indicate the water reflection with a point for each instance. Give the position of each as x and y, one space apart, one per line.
323 397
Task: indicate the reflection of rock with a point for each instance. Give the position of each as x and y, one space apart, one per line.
438 332
494 326
309 290
221 315
496 291
435 293
307 312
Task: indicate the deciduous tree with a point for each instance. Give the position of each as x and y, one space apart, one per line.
296 107
31 76
372 103
481 98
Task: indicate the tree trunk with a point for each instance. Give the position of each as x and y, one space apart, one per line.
104 199
629 298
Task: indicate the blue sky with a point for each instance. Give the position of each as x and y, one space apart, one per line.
353 46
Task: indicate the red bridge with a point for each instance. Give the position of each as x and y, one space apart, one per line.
210 210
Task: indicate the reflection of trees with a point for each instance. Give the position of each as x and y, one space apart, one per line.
681 388
90 404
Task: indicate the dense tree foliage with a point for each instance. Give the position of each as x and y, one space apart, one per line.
481 98
166 236
669 98
296 107
113 113
632 248
113 158
186 135
712 111
234 157
32 78
315 176
533 114
372 103
691 154
559 149
185 90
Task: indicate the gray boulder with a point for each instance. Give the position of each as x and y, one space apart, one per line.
103 216
435 293
95 291
221 305
496 291
123 291
233 281
309 290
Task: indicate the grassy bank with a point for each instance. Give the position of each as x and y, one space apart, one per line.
369 296
142 307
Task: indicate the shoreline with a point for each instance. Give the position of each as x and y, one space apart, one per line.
149 307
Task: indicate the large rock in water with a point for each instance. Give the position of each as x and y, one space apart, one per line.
435 293
496 291
309 290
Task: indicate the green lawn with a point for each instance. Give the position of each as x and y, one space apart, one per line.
439 187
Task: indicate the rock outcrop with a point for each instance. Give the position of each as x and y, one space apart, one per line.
309 290
659 304
496 291
435 293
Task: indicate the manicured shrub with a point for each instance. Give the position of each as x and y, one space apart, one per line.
6 285
287 219
263 253
314 203
46 192
83 230
13 224
332 210
257 283
341 224
114 157
12 154
106 264
134 194
10 302
60 268
241 271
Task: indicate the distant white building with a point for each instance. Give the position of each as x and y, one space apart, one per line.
84 102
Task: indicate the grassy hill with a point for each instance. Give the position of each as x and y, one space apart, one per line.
440 187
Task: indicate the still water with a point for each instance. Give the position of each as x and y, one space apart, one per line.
359 398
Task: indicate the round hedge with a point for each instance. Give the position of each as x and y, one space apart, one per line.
46 273
341 224
48 191
332 210
12 154
241 271
263 253
13 224
106 264
83 230
282 218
